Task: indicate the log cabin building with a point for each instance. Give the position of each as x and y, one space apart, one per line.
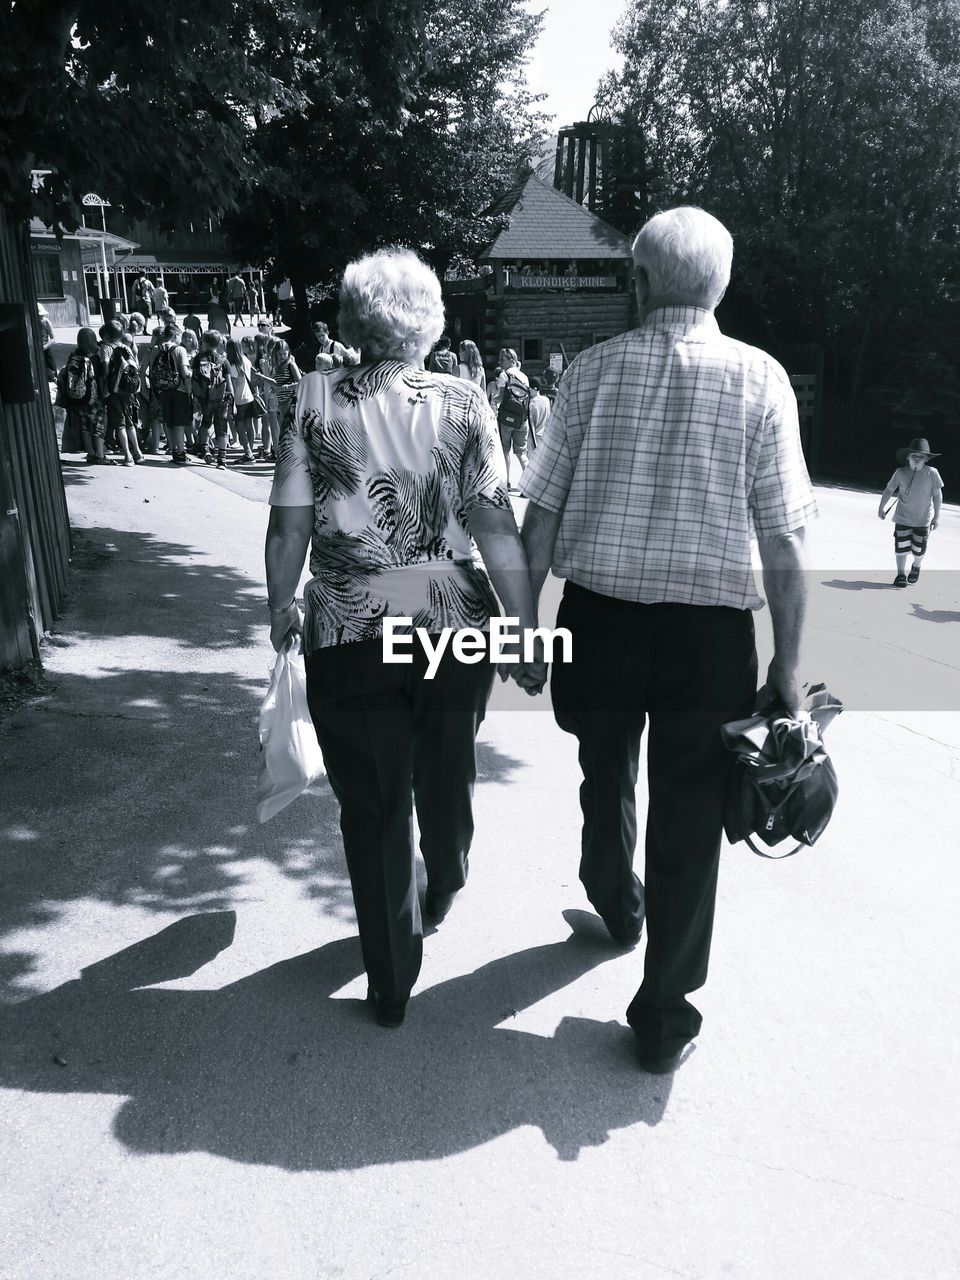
562 279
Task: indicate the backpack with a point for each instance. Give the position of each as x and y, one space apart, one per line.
514 404
444 362
784 783
124 372
73 382
209 378
165 373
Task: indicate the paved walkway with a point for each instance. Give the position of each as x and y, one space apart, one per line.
190 1087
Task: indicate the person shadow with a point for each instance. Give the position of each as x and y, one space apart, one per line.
272 1070
935 615
859 584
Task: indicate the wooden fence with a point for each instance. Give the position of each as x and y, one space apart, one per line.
34 528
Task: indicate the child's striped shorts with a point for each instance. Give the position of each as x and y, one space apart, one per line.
910 538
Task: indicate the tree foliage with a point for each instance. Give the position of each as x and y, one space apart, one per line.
153 105
329 178
318 129
826 134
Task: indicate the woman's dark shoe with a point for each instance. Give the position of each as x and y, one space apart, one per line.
387 1015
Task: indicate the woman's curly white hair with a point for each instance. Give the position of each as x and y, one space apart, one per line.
391 306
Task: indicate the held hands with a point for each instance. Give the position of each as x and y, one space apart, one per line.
286 628
529 676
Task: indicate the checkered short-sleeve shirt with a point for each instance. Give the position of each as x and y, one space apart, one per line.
666 444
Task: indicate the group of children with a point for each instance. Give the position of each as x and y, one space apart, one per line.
194 391
199 392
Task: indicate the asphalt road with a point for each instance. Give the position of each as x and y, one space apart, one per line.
190 1087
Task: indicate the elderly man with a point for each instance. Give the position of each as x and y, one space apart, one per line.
665 445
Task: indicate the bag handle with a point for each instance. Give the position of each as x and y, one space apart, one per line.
774 857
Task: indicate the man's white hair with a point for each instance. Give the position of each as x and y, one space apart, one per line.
686 254
391 306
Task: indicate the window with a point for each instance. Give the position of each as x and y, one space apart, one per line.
47 271
532 349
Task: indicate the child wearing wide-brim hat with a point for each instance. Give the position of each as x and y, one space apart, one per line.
920 489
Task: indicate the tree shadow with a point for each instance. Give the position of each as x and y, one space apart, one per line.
74 472
272 1070
494 765
134 785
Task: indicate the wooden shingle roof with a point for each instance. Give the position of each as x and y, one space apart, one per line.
544 223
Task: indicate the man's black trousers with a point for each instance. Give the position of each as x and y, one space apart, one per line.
685 669
391 737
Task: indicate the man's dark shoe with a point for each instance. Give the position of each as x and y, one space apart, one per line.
914 574
660 1066
900 580
588 926
387 1015
436 905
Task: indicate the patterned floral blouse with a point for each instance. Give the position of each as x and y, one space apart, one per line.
392 459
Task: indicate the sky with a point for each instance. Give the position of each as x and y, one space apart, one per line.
572 54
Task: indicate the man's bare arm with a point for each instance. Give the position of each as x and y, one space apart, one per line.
783 581
495 533
540 529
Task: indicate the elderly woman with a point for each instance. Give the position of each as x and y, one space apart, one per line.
393 472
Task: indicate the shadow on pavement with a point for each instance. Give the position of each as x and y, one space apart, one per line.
935 615
854 584
271 1070
75 471
132 782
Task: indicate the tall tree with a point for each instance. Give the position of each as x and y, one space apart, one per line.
153 105
335 174
826 133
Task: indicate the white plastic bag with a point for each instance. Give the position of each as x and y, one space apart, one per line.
290 756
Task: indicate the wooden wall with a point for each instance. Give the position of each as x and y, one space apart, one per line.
69 305
34 529
575 320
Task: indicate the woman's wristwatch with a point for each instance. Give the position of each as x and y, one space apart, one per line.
285 609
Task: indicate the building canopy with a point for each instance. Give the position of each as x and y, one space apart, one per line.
546 224
195 263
